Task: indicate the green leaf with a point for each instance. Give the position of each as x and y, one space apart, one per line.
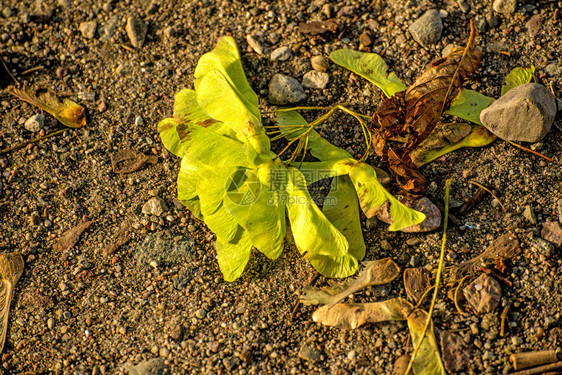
187 180
186 109
372 195
341 208
222 224
318 146
234 255
468 104
371 67
518 76
428 360
315 237
225 58
319 170
193 205
221 102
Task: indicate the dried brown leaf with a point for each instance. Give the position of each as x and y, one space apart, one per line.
120 238
11 269
410 116
128 161
416 282
378 272
71 236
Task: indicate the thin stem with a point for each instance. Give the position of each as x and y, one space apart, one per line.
23 144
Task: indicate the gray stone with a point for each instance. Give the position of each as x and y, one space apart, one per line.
155 206
315 80
483 294
542 246
552 232
88 29
456 354
154 366
320 63
164 248
255 44
281 54
427 29
285 90
553 69
35 123
504 6
136 31
308 353
525 113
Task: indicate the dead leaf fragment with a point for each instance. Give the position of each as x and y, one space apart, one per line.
378 272
71 236
318 27
128 161
120 238
68 113
416 282
410 116
11 269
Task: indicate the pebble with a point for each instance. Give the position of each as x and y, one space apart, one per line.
201 313
155 206
320 63
552 232
88 29
464 7
102 107
352 355
154 366
559 210
35 123
136 31
315 80
534 25
455 353
347 11
191 228
401 364
516 340
553 69
529 214
308 353
8 12
285 90
254 44
483 294
139 121
427 29
542 246
281 54
504 6
164 352
525 113
385 245
365 39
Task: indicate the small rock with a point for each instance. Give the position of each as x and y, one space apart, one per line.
164 352
534 25
281 54
155 206
424 205
504 6
464 7
413 241
447 50
315 80
176 333
456 354
229 363
529 214
154 366
365 39
385 245
51 323
525 113
102 107
552 232
493 21
483 294
488 356
88 29
201 313
308 353
347 11
254 44
285 90
516 340
35 123
553 70
352 355
8 12
320 63
139 121
136 31
427 29
328 10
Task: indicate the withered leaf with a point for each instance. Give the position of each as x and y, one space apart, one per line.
416 282
378 272
318 27
11 269
411 115
120 238
128 161
71 236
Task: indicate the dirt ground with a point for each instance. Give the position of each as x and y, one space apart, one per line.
158 304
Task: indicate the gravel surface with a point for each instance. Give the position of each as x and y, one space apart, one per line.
158 303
